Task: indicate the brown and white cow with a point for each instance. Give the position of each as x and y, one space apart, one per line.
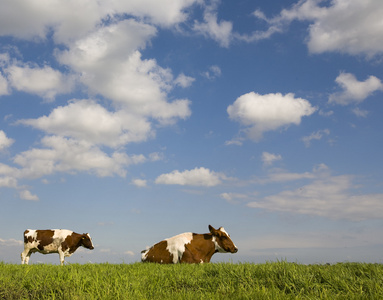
190 247
61 241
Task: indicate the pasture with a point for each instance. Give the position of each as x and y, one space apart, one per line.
274 280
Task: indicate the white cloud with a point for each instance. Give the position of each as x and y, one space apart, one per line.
184 81
27 195
139 182
269 158
88 121
7 181
347 26
106 46
262 113
221 31
218 31
335 28
71 19
354 91
315 136
5 142
163 13
111 66
325 196
45 82
196 177
68 155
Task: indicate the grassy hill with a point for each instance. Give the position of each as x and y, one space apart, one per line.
276 280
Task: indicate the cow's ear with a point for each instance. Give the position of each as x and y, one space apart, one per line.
213 231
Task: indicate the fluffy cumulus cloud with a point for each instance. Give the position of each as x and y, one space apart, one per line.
347 26
5 142
44 82
220 31
354 91
71 19
195 177
163 13
59 154
139 182
334 28
110 65
27 195
262 113
328 196
184 81
89 121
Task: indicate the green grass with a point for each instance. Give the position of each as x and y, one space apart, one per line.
277 280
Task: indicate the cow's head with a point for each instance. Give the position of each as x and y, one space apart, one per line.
87 241
222 240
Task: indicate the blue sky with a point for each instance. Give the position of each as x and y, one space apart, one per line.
139 120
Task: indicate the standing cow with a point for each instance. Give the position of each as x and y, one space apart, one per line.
61 241
190 247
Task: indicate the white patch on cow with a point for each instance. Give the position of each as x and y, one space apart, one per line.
61 234
217 246
145 254
90 239
176 245
224 231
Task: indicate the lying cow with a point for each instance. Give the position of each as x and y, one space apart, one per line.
61 241
190 247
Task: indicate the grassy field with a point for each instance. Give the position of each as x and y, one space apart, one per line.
276 280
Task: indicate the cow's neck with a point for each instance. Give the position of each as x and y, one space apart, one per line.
77 241
208 246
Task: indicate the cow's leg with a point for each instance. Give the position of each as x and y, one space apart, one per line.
62 257
25 256
28 256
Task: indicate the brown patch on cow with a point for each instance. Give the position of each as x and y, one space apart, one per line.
71 242
199 250
45 237
158 253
